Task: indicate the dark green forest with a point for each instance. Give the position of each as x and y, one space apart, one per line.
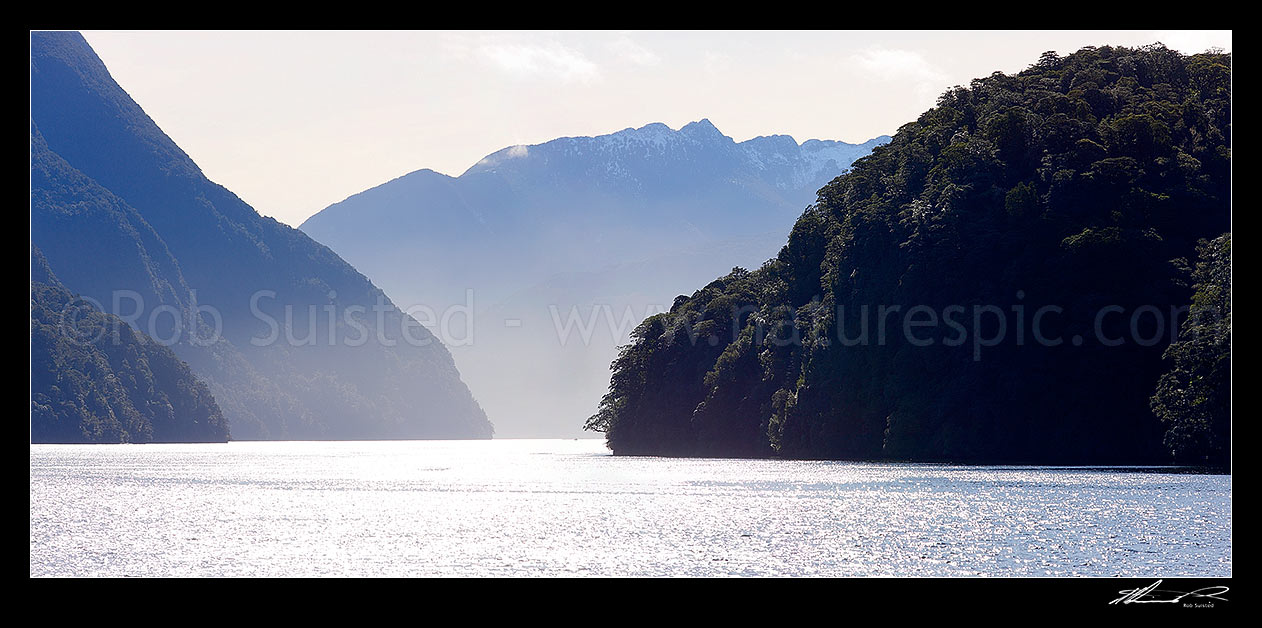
96 380
1003 282
1193 398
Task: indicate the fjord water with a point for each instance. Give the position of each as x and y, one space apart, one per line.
569 508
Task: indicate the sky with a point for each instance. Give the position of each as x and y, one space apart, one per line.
294 121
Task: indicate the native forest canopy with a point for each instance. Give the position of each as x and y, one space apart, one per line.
899 321
98 380
1194 396
291 341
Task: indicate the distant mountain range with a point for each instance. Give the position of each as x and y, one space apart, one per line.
589 231
576 203
290 339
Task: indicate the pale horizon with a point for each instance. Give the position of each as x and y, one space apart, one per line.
294 121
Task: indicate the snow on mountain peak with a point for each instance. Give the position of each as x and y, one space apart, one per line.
701 129
778 159
789 165
655 133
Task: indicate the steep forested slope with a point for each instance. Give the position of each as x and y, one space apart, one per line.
94 379
292 341
998 283
1193 397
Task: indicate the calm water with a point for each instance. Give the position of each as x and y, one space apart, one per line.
562 508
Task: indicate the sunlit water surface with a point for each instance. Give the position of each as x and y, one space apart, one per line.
569 508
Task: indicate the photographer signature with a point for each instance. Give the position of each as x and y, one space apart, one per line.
1152 595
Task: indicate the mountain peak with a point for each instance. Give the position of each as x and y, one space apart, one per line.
654 131
780 159
656 127
702 128
782 143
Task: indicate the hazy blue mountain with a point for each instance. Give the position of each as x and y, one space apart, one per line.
523 213
292 341
108 252
579 233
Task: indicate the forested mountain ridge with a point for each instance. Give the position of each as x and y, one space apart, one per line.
119 210
95 379
899 320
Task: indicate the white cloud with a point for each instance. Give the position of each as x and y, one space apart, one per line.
631 52
547 60
894 65
520 150
905 66
1193 42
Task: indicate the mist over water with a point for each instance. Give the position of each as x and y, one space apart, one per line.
537 359
568 507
